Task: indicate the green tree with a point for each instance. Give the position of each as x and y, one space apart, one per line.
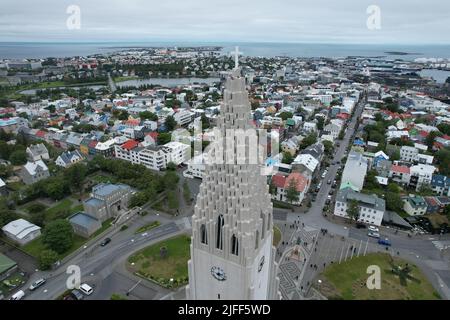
447 211
444 128
5 171
47 258
147 115
431 137
75 175
310 139
394 202
18 157
287 158
171 166
292 195
443 158
285 115
353 210
170 123
6 216
272 188
164 137
328 145
58 235
320 123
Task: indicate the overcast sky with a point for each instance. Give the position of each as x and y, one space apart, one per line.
336 21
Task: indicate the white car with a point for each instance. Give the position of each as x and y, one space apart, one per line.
373 229
86 289
374 234
18 295
37 284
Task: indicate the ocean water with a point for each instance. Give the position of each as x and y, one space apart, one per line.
20 50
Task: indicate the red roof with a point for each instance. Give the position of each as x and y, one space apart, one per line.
133 122
130 144
92 144
300 180
41 134
281 181
343 115
400 169
153 134
423 133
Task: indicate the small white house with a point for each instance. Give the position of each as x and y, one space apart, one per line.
21 231
68 158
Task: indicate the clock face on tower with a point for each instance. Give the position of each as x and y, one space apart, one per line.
261 264
218 273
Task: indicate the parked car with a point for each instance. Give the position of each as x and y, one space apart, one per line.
384 242
86 289
105 242
329 181
77 294
373 234
37 284
373 229
331 192
18 295
360 226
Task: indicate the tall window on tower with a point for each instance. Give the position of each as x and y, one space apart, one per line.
234 245
219 240
203 234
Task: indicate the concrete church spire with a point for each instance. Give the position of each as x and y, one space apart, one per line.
232 256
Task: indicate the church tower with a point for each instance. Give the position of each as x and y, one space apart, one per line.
232 256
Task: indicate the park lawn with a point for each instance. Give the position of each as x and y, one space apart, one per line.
119 79
103 178
148 227
276 236
15 186
149 264
16 279
437 219
348 281
36 246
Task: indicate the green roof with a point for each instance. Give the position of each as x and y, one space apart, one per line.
5 263
290 122
348 184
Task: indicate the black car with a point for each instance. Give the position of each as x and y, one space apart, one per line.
77 294
360 226
105 242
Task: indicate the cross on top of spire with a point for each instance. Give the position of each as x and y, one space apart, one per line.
236 57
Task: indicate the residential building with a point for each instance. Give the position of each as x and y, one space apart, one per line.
37 152
408 154
371 208
32 172
196 167
3 189
415 205
68 158
21 231
400 174
440 184
421 175
355 170
282 184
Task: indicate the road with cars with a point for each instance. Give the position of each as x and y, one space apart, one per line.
98 263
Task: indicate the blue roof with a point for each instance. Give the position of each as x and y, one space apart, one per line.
83 219
104 189
439 180
93 202
359 142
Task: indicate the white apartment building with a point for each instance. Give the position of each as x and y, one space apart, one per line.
183 117
408 154
421 175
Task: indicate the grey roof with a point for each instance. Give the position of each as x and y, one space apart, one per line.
93 202
83 219
391 217
38 149
68 155
104 189
365 200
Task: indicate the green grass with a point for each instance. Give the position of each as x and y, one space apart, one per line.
36 246
348 281
119 79
16 186
147 227
149 264
11 283
281 205
101 178
276 236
